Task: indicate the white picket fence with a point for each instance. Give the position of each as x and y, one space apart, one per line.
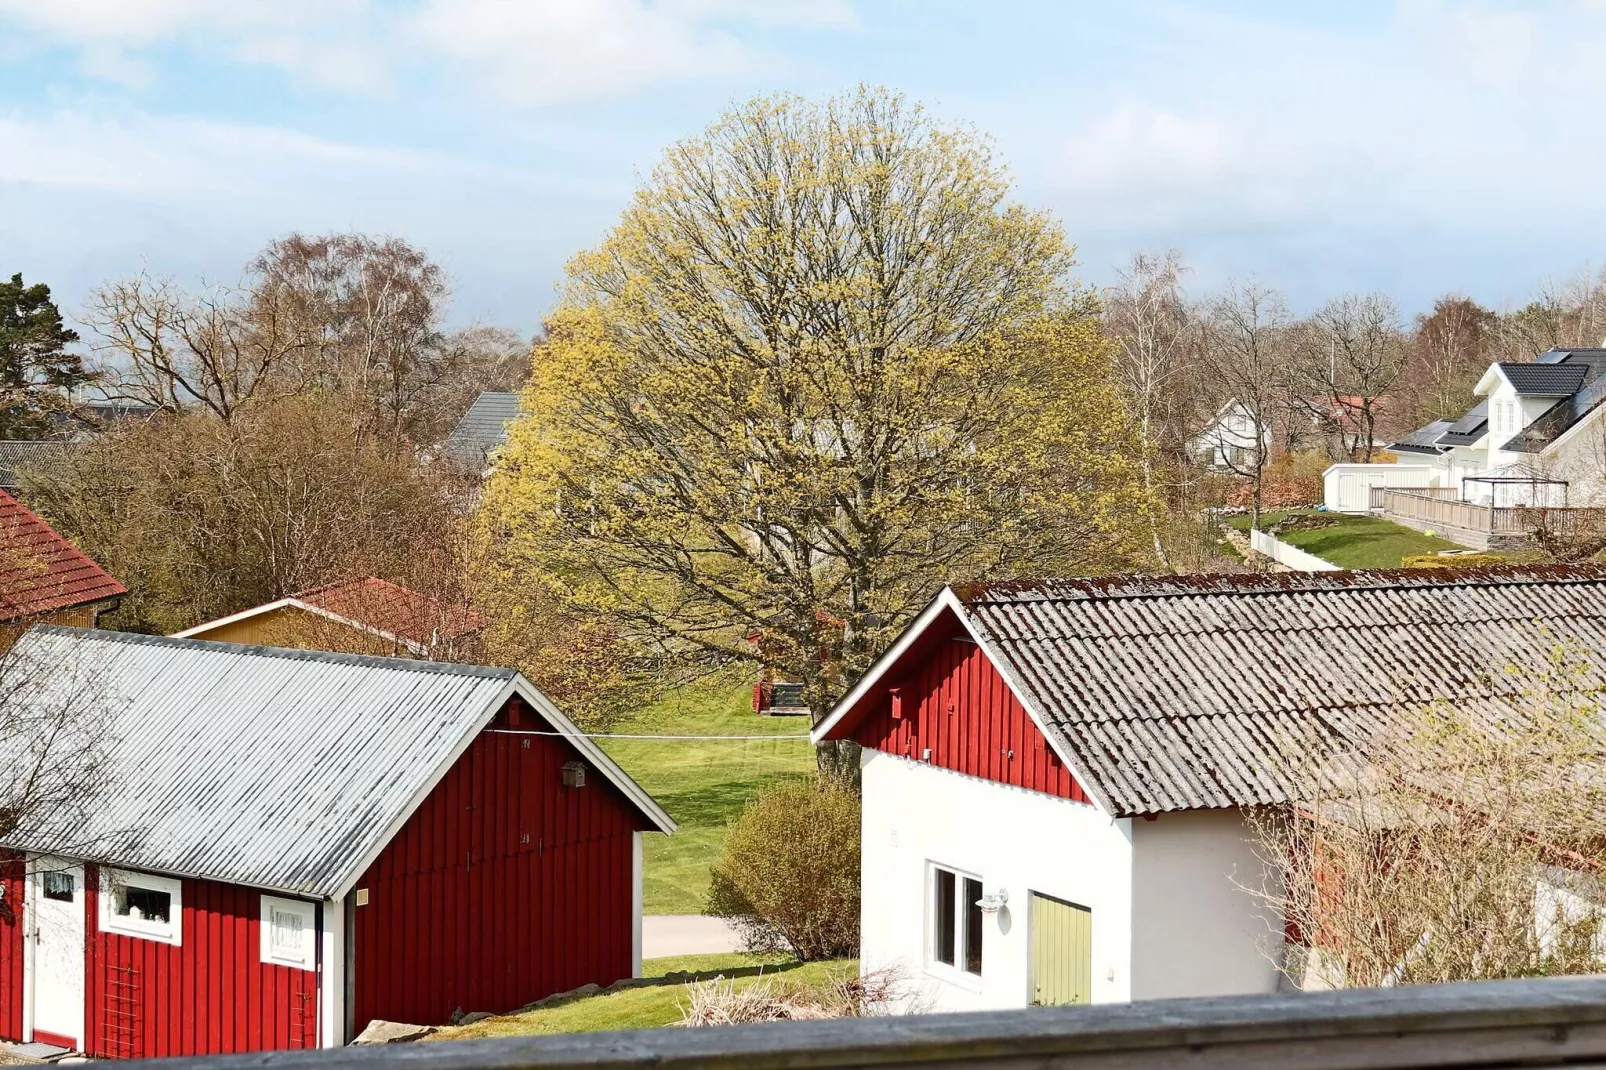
1284 554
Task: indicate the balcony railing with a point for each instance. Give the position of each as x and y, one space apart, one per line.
1556 1021
1441 508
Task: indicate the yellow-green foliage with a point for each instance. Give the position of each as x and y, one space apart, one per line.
1453 561
790 874
822 365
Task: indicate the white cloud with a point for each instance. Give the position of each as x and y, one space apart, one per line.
542 51
525 51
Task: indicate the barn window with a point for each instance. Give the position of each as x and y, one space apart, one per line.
58 885
141 904
956 920
289 933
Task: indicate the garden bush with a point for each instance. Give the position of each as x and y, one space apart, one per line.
789 878
1453 560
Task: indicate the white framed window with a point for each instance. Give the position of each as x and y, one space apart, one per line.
142 905
954 922
289 932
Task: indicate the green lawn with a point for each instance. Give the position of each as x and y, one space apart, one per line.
1347 540
643 1008
702 783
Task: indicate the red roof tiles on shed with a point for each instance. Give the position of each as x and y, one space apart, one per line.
394 610
41 572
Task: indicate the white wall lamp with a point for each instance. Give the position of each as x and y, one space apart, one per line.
993 902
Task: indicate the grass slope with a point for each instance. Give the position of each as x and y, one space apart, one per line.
703 784
1351 541
643 1008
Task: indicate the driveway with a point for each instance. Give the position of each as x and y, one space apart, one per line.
663 935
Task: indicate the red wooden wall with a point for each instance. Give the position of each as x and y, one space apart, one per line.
503 887
13 878
954 702
211 994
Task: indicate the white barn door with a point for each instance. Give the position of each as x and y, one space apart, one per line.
58 954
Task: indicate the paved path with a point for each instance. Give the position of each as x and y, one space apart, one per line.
663 935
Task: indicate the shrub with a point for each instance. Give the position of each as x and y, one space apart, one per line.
1290 480
789 878
1453 560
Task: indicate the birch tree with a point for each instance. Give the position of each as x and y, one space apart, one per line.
1154 329
1245 357
822 364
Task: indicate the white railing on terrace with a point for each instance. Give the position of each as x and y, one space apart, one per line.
1441 507
1550 1022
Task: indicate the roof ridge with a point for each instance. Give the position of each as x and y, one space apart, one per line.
1194 585
448 668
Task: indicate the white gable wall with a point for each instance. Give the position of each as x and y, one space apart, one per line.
1196 930
1014 840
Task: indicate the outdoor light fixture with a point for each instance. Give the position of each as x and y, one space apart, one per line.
993 902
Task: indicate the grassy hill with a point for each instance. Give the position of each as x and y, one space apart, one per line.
702 783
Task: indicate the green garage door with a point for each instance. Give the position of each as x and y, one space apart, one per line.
1062 952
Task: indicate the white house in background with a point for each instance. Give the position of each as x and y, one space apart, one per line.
1536 438
1056 774
1228 440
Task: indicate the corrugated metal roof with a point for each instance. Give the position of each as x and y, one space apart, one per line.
16 455
1196 692
277 769
482 429
41 572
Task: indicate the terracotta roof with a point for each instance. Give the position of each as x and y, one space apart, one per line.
41 572
1200 692
394 610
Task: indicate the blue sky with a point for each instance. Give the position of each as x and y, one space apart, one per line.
1416 147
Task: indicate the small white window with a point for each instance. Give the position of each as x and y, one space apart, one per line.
289 933
955 921
142 905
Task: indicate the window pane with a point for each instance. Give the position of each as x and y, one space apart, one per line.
287 930
943 924
144 903
59 886
972 926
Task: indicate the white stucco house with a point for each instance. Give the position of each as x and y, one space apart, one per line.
1059 776
1228 440
1536 438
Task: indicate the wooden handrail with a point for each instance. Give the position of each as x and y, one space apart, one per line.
1487 1024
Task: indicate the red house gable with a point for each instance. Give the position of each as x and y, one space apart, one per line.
40 571
945 703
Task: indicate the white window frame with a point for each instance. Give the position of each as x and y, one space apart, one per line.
306 956
956 973
170 931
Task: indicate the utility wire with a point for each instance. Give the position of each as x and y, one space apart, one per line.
625 735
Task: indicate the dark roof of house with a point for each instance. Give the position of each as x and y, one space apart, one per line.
1424 439
41 572
482 430
278 769
1469 428
1545 380
1569 409
16 455
1203 692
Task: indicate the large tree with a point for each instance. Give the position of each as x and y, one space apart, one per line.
37 370
821 365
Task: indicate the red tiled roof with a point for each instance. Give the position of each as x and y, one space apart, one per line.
394 609
40 571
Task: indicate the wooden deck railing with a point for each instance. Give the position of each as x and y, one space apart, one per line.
1557 1021
1441 507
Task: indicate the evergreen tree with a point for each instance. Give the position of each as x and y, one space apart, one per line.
36 368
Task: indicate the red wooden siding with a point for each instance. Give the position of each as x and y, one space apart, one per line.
212 994
954 702
13 879
503 887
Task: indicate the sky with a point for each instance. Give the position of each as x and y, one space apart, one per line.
1416 148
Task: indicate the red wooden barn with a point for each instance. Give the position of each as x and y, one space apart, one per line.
289 844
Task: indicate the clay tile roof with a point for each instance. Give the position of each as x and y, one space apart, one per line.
41 572
394 610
